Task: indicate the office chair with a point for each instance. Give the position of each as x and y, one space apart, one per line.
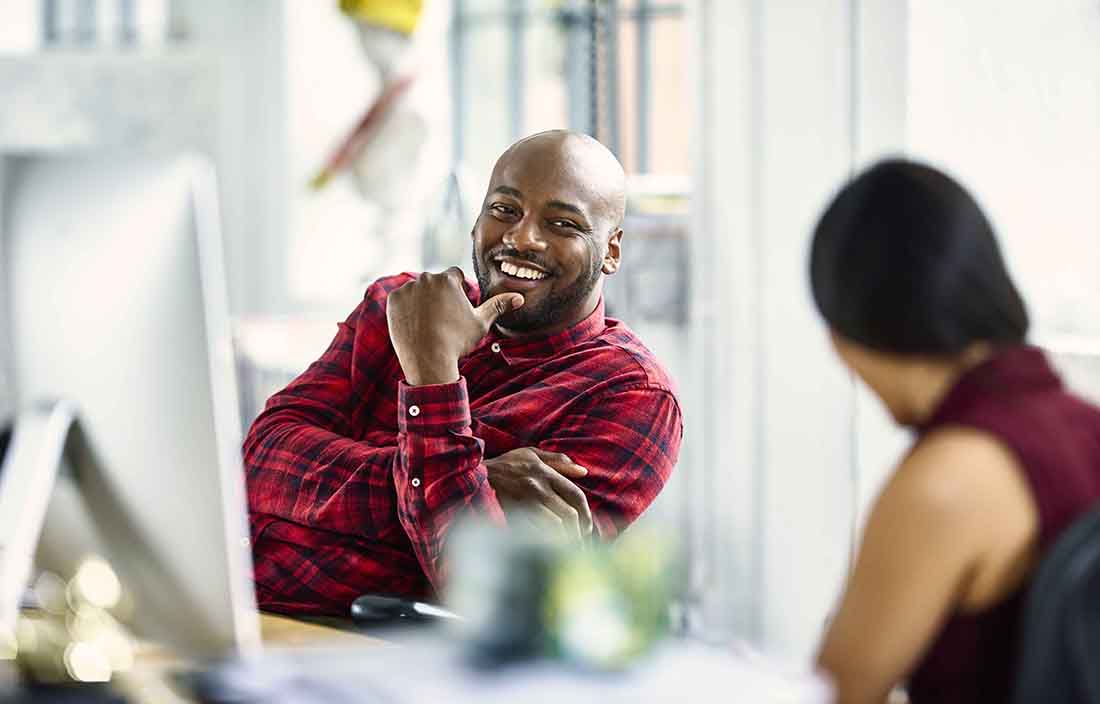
1060 645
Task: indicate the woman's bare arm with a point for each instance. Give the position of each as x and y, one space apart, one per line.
950 509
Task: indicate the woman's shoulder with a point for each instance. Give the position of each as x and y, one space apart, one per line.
971 486
958 470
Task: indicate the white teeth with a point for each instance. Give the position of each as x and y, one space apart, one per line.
521 271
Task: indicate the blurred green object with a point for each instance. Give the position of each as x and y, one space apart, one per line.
608 605
524 594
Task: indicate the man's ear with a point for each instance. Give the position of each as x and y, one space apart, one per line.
614 252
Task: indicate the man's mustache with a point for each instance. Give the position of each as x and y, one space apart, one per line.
512 253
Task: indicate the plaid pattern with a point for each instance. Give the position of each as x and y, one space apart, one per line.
354 477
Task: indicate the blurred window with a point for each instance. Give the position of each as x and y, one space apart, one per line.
612 69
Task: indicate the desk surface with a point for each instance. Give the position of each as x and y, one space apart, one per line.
283 631
148 680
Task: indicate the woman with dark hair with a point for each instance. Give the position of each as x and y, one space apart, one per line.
906 272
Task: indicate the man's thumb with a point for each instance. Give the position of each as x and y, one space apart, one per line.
498 305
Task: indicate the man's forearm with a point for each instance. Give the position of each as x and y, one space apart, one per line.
312 476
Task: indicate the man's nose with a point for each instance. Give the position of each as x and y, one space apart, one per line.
525 236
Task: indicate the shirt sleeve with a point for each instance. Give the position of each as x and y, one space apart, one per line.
321 504
303 466
301 460
440 472
629 441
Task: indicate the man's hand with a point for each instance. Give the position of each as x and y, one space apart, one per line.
540 481
432 325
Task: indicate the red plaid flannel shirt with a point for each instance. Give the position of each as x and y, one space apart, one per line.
354 477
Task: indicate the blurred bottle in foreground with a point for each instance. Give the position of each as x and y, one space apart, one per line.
526 594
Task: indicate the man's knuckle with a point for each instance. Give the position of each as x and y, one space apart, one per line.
532 484
580 501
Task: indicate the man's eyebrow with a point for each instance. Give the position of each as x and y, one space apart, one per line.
559 204
562 205
508 191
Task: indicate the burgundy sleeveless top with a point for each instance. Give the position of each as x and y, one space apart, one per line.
1016 397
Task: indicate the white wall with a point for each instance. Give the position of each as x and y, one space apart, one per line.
6 396
246 39
775 416
1007 97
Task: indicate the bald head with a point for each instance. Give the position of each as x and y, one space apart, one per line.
576 160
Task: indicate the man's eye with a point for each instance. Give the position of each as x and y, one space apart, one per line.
564 223
502 209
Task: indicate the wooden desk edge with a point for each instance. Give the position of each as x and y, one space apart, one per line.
279 631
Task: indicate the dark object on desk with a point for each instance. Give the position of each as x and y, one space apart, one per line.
1060 644
376 609
270 682
61 694
5 439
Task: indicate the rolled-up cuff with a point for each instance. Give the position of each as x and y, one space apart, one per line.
435 409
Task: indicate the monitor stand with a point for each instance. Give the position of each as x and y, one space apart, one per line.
39 440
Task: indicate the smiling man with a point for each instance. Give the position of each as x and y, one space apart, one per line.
439 398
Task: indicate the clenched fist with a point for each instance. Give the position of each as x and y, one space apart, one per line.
432 325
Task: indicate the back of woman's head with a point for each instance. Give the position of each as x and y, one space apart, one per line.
904 261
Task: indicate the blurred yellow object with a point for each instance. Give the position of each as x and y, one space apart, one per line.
73 638
398 15
9 647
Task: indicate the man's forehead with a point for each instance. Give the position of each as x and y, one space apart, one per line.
560 179
543 182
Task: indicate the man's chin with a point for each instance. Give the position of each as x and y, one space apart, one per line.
519 321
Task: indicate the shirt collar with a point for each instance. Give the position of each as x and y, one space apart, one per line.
518 348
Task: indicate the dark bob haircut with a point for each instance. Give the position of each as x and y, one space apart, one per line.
903 261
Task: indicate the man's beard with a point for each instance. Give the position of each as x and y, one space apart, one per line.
551 309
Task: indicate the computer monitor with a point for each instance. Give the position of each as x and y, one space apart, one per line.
117 303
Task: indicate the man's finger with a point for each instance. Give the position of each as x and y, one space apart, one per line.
574 497
497 306
570 517
562 463
540 515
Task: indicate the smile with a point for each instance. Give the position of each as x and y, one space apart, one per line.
521 271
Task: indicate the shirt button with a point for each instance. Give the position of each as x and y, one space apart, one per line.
495 347
414 411
415 481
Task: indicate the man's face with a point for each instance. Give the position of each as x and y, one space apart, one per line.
546 233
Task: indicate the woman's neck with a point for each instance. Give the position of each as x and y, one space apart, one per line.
925 383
